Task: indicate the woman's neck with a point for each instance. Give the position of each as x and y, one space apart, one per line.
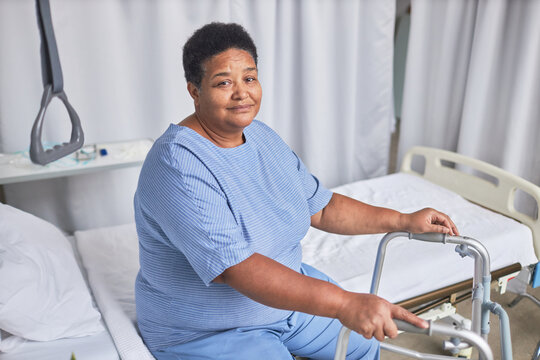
219 139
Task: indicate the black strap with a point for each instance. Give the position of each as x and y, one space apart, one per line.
51 70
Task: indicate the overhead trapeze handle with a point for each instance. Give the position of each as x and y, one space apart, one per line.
53 84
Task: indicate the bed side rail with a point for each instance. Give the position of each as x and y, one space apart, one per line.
448 169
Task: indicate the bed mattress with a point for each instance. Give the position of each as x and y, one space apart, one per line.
111 259
412 268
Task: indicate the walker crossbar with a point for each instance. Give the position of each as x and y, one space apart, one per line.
481 303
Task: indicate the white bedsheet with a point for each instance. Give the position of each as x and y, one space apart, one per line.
412 268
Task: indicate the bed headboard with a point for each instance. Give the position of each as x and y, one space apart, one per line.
479 182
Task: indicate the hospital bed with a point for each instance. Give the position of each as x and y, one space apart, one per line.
480 209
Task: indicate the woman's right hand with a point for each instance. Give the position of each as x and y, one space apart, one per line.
372 316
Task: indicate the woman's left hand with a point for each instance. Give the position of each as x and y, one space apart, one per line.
428 220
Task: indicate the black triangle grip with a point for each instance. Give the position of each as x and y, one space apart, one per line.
38 154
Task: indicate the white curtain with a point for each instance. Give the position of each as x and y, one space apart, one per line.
325 68
472 82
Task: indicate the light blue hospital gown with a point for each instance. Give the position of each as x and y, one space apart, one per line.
200 209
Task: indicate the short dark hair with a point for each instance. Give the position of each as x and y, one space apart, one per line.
211 40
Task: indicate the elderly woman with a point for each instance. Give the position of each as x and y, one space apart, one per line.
221 206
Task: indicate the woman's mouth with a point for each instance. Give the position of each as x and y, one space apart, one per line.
240 108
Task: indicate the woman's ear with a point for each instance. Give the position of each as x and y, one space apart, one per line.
194 92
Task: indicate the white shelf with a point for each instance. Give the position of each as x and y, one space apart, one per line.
17 167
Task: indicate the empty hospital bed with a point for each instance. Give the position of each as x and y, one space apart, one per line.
109 256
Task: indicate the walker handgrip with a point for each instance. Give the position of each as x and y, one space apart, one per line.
430 237
408 327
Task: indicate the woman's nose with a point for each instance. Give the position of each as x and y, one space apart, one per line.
240 92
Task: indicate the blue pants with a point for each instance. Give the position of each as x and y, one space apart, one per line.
304 335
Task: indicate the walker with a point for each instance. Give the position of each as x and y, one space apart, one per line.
481 305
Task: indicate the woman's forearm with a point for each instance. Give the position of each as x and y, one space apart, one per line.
347 216
273 284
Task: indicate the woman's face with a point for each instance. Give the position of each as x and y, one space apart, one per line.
230 94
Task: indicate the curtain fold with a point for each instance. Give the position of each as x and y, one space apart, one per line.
325 68
472 82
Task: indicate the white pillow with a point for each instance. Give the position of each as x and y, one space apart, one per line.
43 295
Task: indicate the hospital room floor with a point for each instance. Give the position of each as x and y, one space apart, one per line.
524 324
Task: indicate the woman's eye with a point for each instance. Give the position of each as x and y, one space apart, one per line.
223 83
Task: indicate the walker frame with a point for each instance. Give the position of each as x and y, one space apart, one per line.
482 306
